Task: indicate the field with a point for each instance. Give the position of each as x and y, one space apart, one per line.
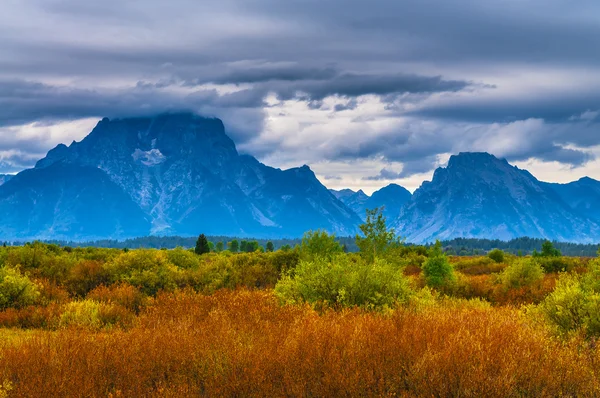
310 321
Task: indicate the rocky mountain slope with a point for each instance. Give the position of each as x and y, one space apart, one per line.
171 174
4 178
582 195
480 196
391 197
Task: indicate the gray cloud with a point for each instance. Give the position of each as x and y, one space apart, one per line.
452 73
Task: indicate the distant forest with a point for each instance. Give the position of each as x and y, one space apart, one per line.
459 246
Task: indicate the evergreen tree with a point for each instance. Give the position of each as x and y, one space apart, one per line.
243 246
220 246
270 246
202 246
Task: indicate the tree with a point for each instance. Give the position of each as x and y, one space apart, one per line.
377 237
319 244
437 270
548 250
250 246
219 246
243 246
202 246
270 246
497 255
234 246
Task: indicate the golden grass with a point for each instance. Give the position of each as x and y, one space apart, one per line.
242 343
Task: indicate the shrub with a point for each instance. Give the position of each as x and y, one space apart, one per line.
575 303
522 272
497 255
124 295
183 258
341 281
148 270
437 270
16 290
553 264
85 276
94 315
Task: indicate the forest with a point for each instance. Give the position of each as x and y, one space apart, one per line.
458 246
310 319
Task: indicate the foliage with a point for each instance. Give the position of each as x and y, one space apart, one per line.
202 245
376 236
319 244
269 247
16 289
344 281
575 303
437 270
522 272
234 246
548 250
497 255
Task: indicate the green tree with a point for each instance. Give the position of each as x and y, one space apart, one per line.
319 244
497 255
270 246
243 246
202 245
251 246
234 246
548 250
437 270
219 246
376 236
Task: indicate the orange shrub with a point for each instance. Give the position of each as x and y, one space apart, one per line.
124 295
243 344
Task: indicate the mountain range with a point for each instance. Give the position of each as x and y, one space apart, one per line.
180 174
173 174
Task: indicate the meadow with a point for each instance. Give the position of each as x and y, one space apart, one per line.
390 320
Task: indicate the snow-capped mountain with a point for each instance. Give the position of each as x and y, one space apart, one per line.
169 174
480 196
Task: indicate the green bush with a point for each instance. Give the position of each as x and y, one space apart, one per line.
16 290
553 264
522 272
573 305
344 281
497 255
437 270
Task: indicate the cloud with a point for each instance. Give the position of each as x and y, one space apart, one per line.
393 84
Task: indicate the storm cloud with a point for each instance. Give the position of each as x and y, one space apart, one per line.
397 84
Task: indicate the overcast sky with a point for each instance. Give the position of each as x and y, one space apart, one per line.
365 92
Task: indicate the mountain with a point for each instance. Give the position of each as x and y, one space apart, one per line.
172 174
582 195
391 197
4 178
354 200
480 196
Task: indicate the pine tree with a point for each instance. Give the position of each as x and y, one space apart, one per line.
270 246
202 246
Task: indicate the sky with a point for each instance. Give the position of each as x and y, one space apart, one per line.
366 93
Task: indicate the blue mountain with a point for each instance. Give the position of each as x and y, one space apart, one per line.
172 174
4 178
480 196
582 196
391 198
